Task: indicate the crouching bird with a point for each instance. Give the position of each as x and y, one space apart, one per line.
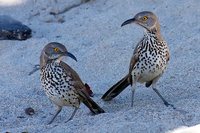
61 83
149 61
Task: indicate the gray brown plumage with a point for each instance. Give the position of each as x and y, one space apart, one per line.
61 83
149 60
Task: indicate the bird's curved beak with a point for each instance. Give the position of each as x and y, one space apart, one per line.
70 55
132 20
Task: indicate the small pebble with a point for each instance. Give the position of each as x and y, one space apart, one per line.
29 111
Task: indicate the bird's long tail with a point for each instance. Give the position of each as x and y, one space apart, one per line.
93 106
116 89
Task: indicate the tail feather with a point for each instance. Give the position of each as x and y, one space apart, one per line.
93 106
116 89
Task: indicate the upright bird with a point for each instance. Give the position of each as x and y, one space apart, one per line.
149 60
61 83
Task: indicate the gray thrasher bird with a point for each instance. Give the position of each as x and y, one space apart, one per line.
149 60
61 83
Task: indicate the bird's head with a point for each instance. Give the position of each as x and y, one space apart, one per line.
146 19
54 51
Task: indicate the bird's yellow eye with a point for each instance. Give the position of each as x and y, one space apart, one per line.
56 49
144 18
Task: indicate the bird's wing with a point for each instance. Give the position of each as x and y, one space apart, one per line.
133 61
81 90
73 74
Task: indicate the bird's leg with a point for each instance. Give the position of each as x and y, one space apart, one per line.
165 102
59 108
132 94
73 114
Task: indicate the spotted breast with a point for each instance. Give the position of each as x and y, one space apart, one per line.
152 58
58 85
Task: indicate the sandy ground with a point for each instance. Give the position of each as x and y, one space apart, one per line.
92 32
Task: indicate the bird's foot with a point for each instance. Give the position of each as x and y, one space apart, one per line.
168 104
68 120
